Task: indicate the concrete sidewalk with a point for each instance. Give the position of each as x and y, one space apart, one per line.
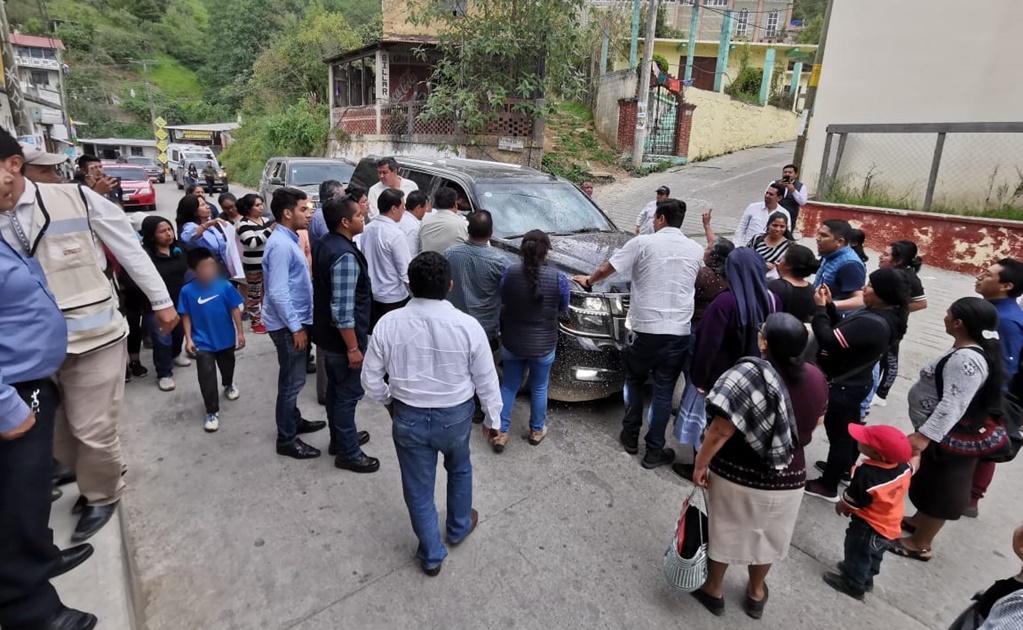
225 534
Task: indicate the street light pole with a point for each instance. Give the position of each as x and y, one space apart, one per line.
643 97
811 90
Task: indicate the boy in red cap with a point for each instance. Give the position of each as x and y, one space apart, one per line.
875 502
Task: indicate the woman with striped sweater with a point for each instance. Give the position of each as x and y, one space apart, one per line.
253 230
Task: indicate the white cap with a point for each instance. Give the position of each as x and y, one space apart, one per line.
38 157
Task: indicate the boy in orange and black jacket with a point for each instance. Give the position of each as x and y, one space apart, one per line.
874 501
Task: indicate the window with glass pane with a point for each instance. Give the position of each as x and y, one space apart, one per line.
772 23
742 24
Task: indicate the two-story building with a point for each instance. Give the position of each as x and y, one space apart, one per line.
40 69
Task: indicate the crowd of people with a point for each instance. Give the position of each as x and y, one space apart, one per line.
408 305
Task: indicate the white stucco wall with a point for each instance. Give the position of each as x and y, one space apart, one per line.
920 61
722 124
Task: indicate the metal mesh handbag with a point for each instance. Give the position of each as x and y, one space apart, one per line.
685 561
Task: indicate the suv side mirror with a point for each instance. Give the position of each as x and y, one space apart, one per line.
276 181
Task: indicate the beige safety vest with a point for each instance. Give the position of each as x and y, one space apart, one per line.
70 256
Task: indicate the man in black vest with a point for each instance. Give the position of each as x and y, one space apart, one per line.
342 301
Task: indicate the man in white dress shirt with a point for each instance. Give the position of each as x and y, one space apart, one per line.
387 254
645 220
387 172
663 267
754 219
435 357
417 203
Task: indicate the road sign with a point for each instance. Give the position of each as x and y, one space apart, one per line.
162 145
162 158
161 134
160 122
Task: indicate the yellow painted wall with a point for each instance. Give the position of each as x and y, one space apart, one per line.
722 124
676 59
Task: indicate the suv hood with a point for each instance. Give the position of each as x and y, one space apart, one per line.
312 191
580 254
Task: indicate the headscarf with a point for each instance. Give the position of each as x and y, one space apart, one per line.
747 278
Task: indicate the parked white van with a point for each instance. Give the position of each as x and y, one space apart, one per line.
179 156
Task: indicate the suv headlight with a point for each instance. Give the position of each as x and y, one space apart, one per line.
589 315
221 174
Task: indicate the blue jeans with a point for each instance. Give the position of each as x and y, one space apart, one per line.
864 550
419 434
664 356
876 375
539 375
165 346
344 391
290 381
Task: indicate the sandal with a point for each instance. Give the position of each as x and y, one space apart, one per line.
923 555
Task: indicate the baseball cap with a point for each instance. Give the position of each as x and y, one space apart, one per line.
38 157
890 443
663 190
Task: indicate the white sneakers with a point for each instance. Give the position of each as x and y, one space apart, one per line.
878 402
166 384
212 422
182 361
232 392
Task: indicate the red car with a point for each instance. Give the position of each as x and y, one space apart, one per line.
137 192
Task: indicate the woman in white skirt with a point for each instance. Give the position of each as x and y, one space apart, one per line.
763 412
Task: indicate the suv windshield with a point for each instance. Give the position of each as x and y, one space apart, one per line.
552 207
313 173
199 158
130 173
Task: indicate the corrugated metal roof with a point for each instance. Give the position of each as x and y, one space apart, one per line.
36 42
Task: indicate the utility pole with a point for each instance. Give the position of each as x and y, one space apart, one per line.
12 82
643 95
149 90
811 90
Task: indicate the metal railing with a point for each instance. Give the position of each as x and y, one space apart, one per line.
986 159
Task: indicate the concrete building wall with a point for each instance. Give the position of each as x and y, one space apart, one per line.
876 71
613 86
722 124
710 17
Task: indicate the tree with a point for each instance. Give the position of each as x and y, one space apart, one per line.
518 50
293 67
811 33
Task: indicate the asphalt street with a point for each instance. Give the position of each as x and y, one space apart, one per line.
219 532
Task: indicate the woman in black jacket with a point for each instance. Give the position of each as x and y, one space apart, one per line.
168 256
532 297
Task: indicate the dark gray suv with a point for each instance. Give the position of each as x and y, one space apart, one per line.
588 364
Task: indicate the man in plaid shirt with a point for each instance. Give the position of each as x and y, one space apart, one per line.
342 303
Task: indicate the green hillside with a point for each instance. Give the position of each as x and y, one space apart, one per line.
206 55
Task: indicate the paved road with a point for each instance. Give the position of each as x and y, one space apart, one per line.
225 534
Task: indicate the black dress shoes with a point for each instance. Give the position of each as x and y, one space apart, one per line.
55 493
309 426
64 619
298 449
79 505
335 448
70 558
361 464
64 477
93 518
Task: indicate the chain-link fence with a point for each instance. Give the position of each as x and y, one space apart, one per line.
959 168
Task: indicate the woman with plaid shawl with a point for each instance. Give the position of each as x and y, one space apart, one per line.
763 412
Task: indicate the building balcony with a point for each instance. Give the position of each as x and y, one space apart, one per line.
404 119
42 95
36 62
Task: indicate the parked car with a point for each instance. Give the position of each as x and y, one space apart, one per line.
220 183
304 173
137 192
592 336
153 168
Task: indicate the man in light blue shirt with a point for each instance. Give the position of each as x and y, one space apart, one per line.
33 344
287 312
